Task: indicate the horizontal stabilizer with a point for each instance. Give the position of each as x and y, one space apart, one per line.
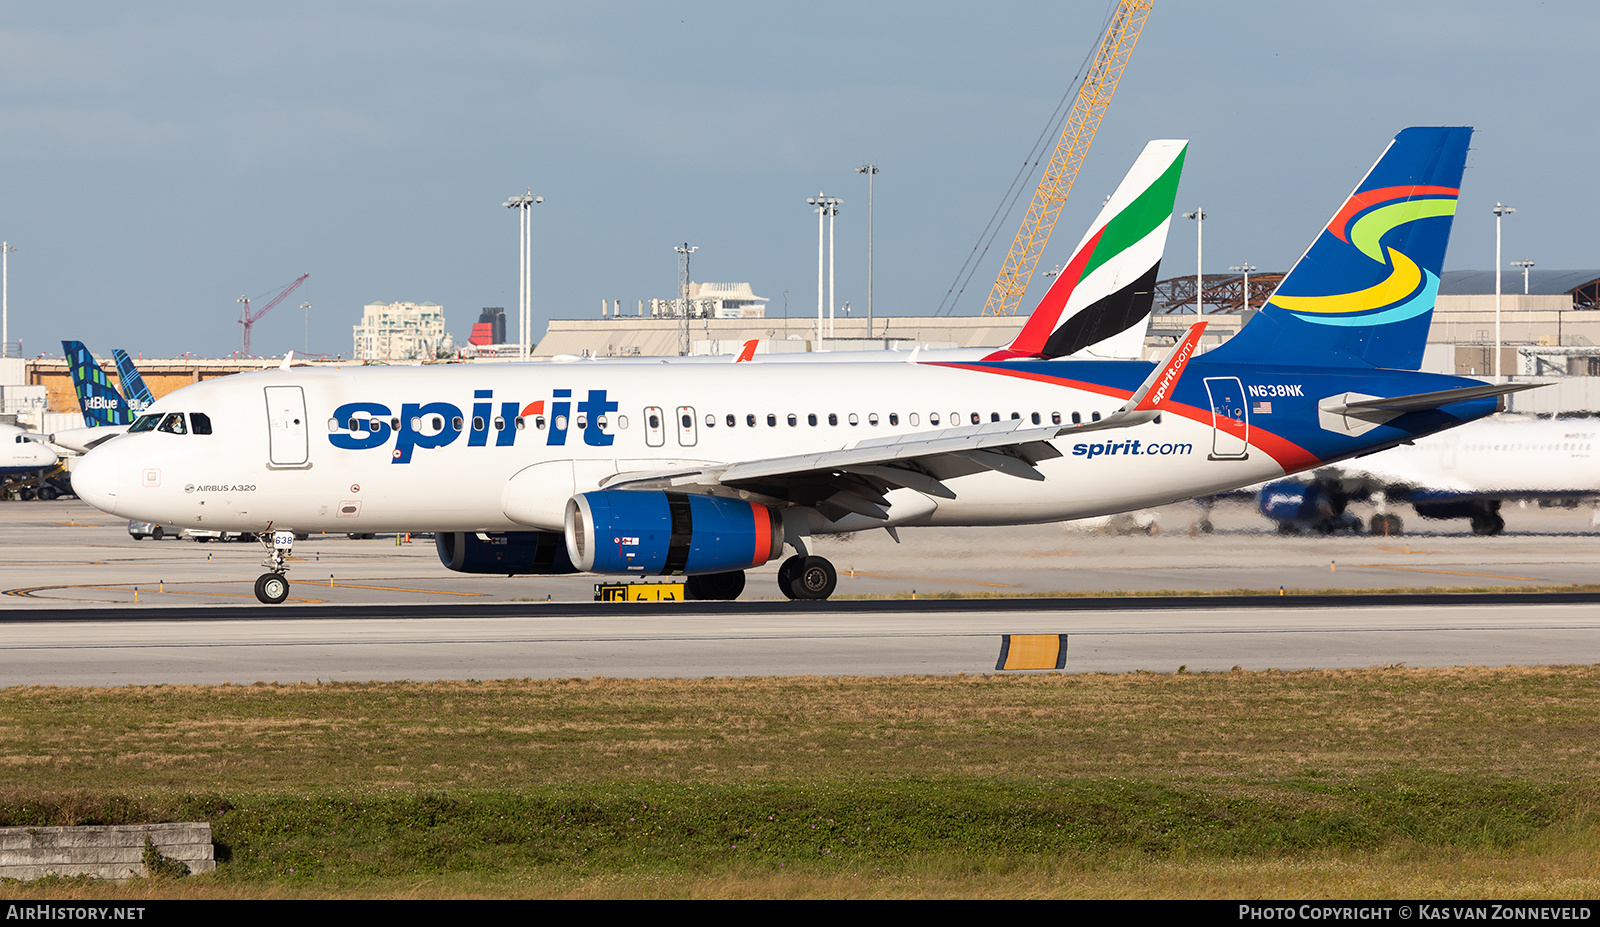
1419 402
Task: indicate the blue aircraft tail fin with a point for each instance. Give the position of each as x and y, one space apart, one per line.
1363 293
99 401
134 391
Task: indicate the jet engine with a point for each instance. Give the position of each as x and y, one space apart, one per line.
1319 506
506 552
645 532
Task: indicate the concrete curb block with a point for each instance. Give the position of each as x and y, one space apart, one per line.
109 852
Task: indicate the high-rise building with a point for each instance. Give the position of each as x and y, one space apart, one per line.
399 331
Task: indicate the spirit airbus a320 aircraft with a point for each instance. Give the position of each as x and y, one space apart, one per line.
709 470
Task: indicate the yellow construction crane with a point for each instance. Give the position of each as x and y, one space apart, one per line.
1076 136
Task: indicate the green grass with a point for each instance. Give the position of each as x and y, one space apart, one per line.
1384 782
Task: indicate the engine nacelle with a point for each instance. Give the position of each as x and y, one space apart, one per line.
645 532
1290 502
508 553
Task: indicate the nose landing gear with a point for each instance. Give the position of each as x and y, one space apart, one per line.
273 587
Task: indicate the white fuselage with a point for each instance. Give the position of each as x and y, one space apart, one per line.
273 458
1496 456
23 451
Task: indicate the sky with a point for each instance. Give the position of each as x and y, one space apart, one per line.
157 161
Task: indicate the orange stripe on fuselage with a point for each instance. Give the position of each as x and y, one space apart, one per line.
1286 453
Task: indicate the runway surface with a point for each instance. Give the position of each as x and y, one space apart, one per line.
652 640
392 612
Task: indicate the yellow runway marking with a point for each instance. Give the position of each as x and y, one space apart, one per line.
312 582
1379 566
931 579
30 593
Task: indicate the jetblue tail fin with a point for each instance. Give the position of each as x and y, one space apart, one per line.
134 392
1098 305
99 401
1363 293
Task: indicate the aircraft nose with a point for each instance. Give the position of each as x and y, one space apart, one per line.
94 478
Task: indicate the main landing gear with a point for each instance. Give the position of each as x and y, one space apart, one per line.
802 577
273 587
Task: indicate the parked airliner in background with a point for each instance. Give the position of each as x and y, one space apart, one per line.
24 456
1098 306
1463 473
710 470
106 413
134 392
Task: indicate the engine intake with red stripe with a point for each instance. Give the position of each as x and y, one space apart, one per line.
651 532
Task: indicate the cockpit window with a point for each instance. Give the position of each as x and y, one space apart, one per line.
173 424
145 423
201 423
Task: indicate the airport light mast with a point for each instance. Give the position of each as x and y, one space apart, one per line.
684 251
1199 217
825 206
5 299
1526 266
1500 212
525 202
1246 267
869 169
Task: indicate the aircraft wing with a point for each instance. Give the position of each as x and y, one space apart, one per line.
856 478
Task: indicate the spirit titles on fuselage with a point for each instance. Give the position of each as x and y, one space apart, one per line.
367 425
